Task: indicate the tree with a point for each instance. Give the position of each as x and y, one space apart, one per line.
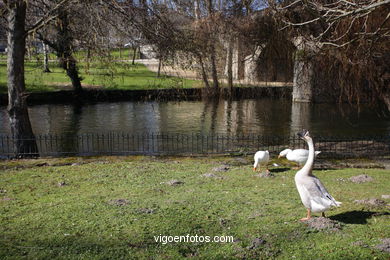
352 41
59 36
22 134
177 28
21 130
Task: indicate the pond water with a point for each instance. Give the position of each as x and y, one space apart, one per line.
265 116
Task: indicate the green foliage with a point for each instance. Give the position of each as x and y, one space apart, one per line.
44 220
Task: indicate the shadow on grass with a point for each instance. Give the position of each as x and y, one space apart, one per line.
285 169
60 247
356 216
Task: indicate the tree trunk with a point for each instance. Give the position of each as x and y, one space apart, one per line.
159 68
88 59
69 64
45 58
134 54
64 52
303 80
203 71
24 143
214 73
230 65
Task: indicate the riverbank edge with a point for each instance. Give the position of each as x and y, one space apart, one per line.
173 94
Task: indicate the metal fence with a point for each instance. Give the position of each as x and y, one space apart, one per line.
192 144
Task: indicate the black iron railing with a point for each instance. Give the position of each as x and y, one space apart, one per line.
187 144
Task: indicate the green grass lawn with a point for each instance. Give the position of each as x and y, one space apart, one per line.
98 74
41 219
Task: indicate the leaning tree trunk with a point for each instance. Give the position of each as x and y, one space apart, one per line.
69 64
64 52
203 72
24 143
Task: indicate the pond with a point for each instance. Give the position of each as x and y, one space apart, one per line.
269 117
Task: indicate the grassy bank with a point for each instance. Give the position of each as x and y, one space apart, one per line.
112 208
97 74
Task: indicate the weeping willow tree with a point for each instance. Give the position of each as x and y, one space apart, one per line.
353 40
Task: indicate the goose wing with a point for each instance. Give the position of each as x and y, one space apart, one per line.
320 194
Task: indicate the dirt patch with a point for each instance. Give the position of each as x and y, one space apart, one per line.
223 222
323 224
239 162
42 164
359 244
256 243
119 202
265 175
212 175
384 246
361 178
145 211
385 197
173 182
256 214
385 163
222 168
372 202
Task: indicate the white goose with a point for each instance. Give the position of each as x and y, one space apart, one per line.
261 157
298 155
313 193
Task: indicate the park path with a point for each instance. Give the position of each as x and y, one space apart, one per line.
152 64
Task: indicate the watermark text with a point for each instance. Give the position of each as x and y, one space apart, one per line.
192 239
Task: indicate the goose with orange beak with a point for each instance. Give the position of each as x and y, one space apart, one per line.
313 193
261 158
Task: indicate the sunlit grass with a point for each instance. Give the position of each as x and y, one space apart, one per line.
44 220
103 74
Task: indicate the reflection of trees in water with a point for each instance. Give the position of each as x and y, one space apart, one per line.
246 117
228 112
68 139
344 120
300 117
272 117
210 107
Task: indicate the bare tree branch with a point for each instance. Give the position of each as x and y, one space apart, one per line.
52 14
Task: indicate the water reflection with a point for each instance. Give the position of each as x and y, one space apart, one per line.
300 116
262 116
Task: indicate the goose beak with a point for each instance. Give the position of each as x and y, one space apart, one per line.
303 133
278 156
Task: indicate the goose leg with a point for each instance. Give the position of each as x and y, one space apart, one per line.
308 215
